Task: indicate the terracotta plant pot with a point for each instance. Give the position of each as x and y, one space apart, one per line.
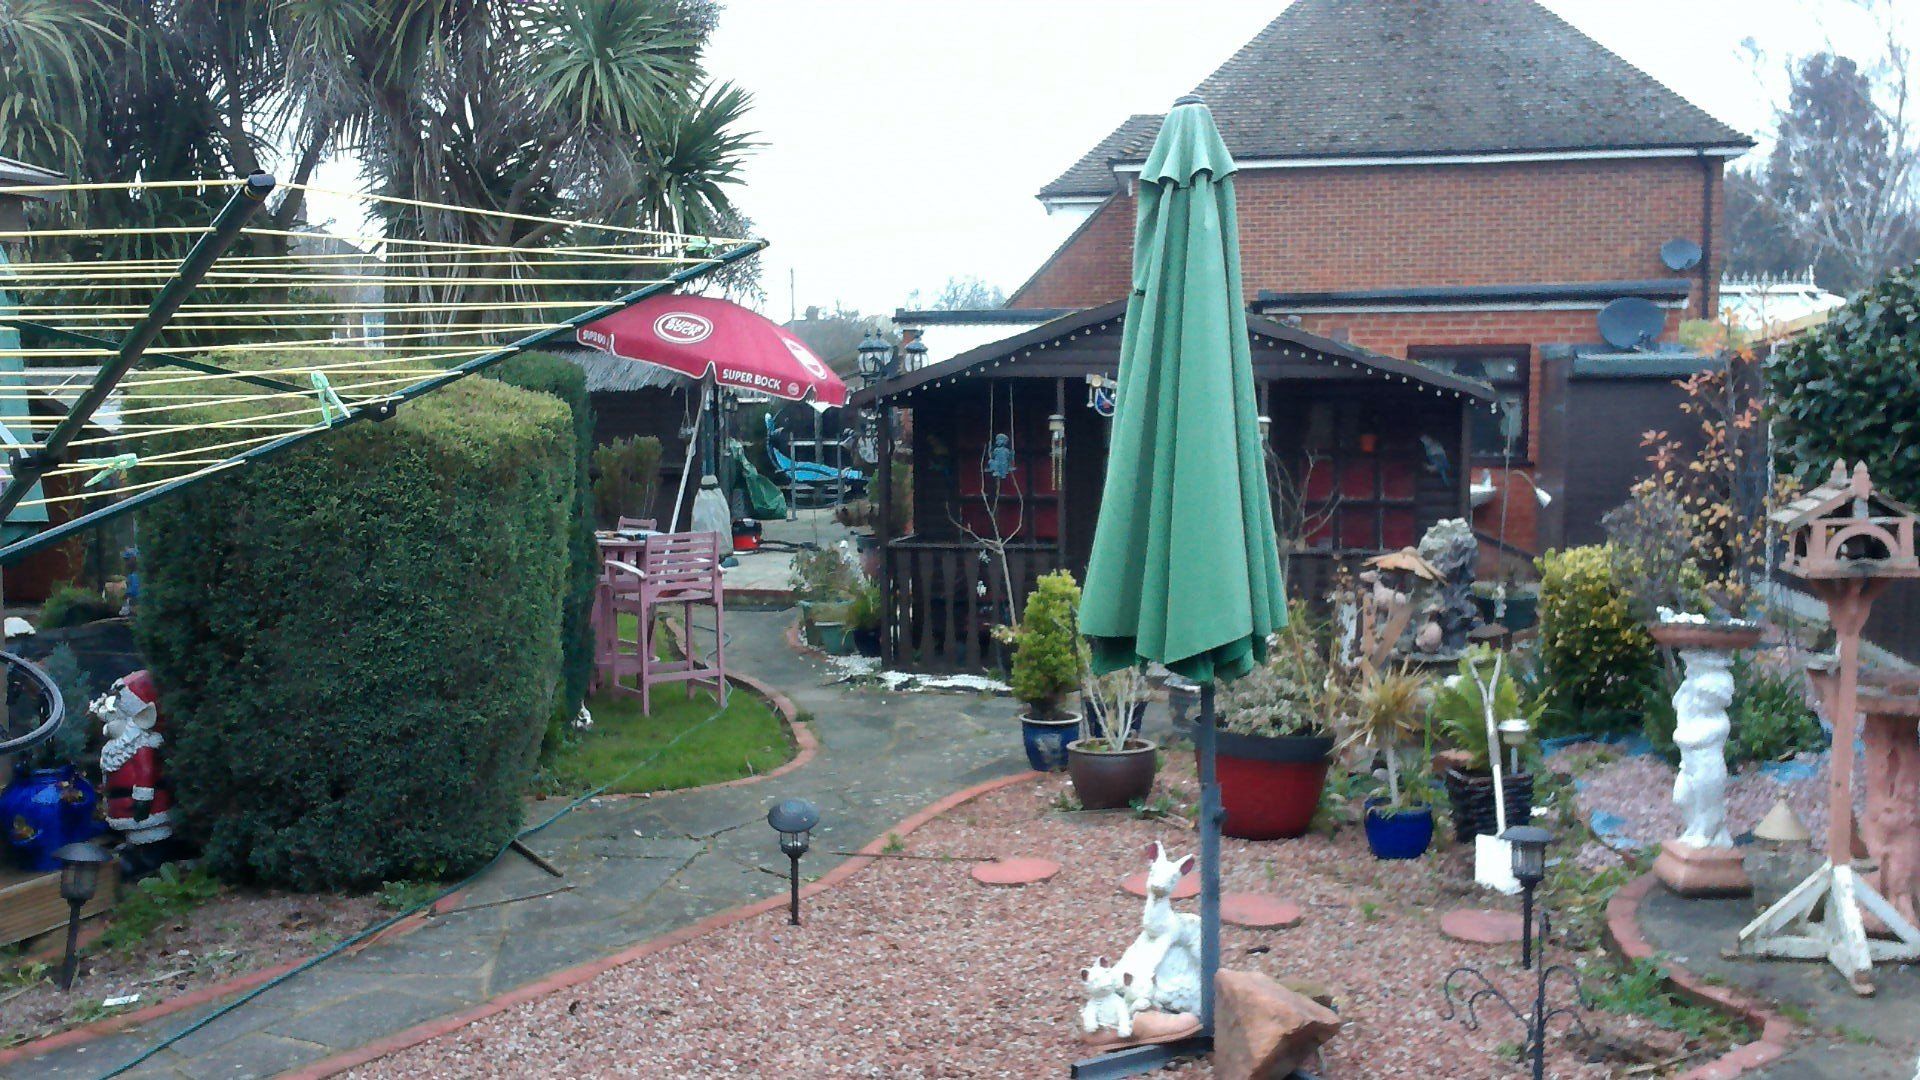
1270 787
1111 780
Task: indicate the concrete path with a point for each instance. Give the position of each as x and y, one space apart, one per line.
1857 1038
640 867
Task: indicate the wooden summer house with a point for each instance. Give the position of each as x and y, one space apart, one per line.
1009 447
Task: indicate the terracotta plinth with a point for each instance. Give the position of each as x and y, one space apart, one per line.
1702 871
1148 1027
1482 926
1891 825
1259 911
1188 888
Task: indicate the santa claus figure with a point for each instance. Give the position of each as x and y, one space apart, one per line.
136 796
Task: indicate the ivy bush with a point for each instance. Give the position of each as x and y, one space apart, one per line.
552 375
1850 390
357 640
1596 657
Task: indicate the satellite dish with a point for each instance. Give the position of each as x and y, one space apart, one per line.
1631 322
1680 253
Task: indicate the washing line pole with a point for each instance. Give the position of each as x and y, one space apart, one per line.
30 466
381 409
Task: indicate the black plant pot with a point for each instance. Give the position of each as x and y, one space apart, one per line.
866 642
1471 794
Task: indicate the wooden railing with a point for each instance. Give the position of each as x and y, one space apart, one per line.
949 595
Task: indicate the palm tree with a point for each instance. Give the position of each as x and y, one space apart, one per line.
691 152
53 56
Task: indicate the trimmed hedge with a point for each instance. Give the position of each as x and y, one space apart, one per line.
550 374
357 639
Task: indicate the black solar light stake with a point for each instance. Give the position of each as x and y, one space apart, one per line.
794 820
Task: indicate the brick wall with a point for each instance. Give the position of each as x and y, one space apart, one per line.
1408 225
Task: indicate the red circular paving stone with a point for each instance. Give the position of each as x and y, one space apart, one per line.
1259 911
1136 884
1015 871
1481 926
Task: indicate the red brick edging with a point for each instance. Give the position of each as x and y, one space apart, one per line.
806 747
207 994
574 976
1776 1033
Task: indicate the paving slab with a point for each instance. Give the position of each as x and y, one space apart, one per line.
882 756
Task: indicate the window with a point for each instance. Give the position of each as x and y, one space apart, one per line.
1504 367
1356 478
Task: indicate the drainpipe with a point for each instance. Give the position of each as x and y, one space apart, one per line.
1706 234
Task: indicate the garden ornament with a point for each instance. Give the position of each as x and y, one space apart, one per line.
1451 549
1107 1005
1000 458
1702 860
1700 731
1848 542
139 801
1164 961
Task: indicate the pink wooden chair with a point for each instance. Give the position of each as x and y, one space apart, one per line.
627 524
613 582
674 568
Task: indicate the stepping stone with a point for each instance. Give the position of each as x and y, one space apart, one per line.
1259 911
1481 926
1136 884
1015 871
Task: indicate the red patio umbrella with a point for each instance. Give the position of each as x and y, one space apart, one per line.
719 343
707 338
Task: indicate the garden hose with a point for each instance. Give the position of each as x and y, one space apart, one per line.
146 1055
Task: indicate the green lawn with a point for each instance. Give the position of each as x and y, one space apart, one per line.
745 740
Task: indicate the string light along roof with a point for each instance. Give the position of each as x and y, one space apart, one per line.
306 329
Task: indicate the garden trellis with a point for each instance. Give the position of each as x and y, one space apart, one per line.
117 352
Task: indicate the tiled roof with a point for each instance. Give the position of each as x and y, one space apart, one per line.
1343 78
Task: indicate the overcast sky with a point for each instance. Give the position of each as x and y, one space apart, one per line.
905 138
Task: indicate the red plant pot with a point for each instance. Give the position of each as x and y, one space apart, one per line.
1270 788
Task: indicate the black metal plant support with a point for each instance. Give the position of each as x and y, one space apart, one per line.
1452 990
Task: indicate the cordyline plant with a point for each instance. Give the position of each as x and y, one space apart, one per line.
1720 481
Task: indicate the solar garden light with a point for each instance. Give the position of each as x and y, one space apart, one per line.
1514 734
79 879
1529 845
794 820
1468 987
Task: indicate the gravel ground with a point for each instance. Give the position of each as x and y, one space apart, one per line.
911 970
1639 790
226 937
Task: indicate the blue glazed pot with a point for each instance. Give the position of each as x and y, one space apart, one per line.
44 810
1404 835
1046 741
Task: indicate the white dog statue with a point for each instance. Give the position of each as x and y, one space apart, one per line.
1164 961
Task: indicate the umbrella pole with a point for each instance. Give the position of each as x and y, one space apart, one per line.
1210 818
686 469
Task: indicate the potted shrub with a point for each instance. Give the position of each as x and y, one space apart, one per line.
824 584
1388 713
1046 667
1460 711
47 804
863 618
1272 755
1111 767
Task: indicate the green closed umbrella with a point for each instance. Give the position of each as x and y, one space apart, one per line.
1185 569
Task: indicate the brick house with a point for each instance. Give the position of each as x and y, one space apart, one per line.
1460 182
